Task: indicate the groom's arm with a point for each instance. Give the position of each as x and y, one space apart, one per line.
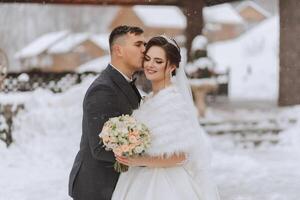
100 105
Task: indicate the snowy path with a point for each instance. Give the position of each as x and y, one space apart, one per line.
269 174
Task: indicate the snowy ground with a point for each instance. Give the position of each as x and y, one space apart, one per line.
47 134
266 172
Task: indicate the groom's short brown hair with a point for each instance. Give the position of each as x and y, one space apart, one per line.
121 31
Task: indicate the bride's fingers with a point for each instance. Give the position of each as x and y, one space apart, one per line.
122 160
133 162
121 157
130 161
125 163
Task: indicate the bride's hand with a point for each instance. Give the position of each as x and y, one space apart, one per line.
132 161
149 161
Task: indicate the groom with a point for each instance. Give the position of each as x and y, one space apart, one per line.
111 94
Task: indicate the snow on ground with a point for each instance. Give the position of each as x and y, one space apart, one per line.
46 138
267 172
47 134
253 61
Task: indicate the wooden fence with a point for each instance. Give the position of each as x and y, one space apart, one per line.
56 82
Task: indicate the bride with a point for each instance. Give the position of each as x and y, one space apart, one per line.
177 164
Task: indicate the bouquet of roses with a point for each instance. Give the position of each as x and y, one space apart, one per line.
125 137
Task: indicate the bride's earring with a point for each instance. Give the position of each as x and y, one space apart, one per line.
172 78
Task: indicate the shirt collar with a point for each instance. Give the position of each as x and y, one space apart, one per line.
126 77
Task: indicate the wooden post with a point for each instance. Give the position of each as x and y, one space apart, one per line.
193 12
289 84
3 66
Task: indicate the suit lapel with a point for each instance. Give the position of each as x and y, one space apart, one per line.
136 91
125 87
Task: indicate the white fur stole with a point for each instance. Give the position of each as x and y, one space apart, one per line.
169 122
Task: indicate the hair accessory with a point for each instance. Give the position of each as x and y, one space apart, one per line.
171 41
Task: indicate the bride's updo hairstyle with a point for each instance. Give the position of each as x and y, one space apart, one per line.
170 47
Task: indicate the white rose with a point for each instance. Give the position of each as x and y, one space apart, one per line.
138 149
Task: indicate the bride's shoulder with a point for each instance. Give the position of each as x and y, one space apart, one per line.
173 92
169 91
164 92
171 96
168 95
167 100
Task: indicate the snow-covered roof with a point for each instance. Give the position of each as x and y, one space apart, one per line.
253 5
41 44
68 43
101 40
96 65
223 13
256 50
161 16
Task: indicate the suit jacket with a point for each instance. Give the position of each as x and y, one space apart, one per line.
92 176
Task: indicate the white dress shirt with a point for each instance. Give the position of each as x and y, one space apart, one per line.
126 77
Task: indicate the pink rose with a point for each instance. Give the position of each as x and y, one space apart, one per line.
132 139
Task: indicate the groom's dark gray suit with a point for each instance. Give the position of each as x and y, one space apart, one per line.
93 176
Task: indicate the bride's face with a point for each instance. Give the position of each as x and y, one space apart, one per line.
156 67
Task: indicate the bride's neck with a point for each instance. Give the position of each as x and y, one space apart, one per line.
157 86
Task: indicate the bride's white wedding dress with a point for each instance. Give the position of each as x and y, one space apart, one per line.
172 131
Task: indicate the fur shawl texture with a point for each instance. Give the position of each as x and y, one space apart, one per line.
169 122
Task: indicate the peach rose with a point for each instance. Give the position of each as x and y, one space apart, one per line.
132 139
134 133
124 148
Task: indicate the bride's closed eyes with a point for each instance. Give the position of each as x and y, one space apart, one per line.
157 60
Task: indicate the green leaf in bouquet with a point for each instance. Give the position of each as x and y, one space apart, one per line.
120 167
